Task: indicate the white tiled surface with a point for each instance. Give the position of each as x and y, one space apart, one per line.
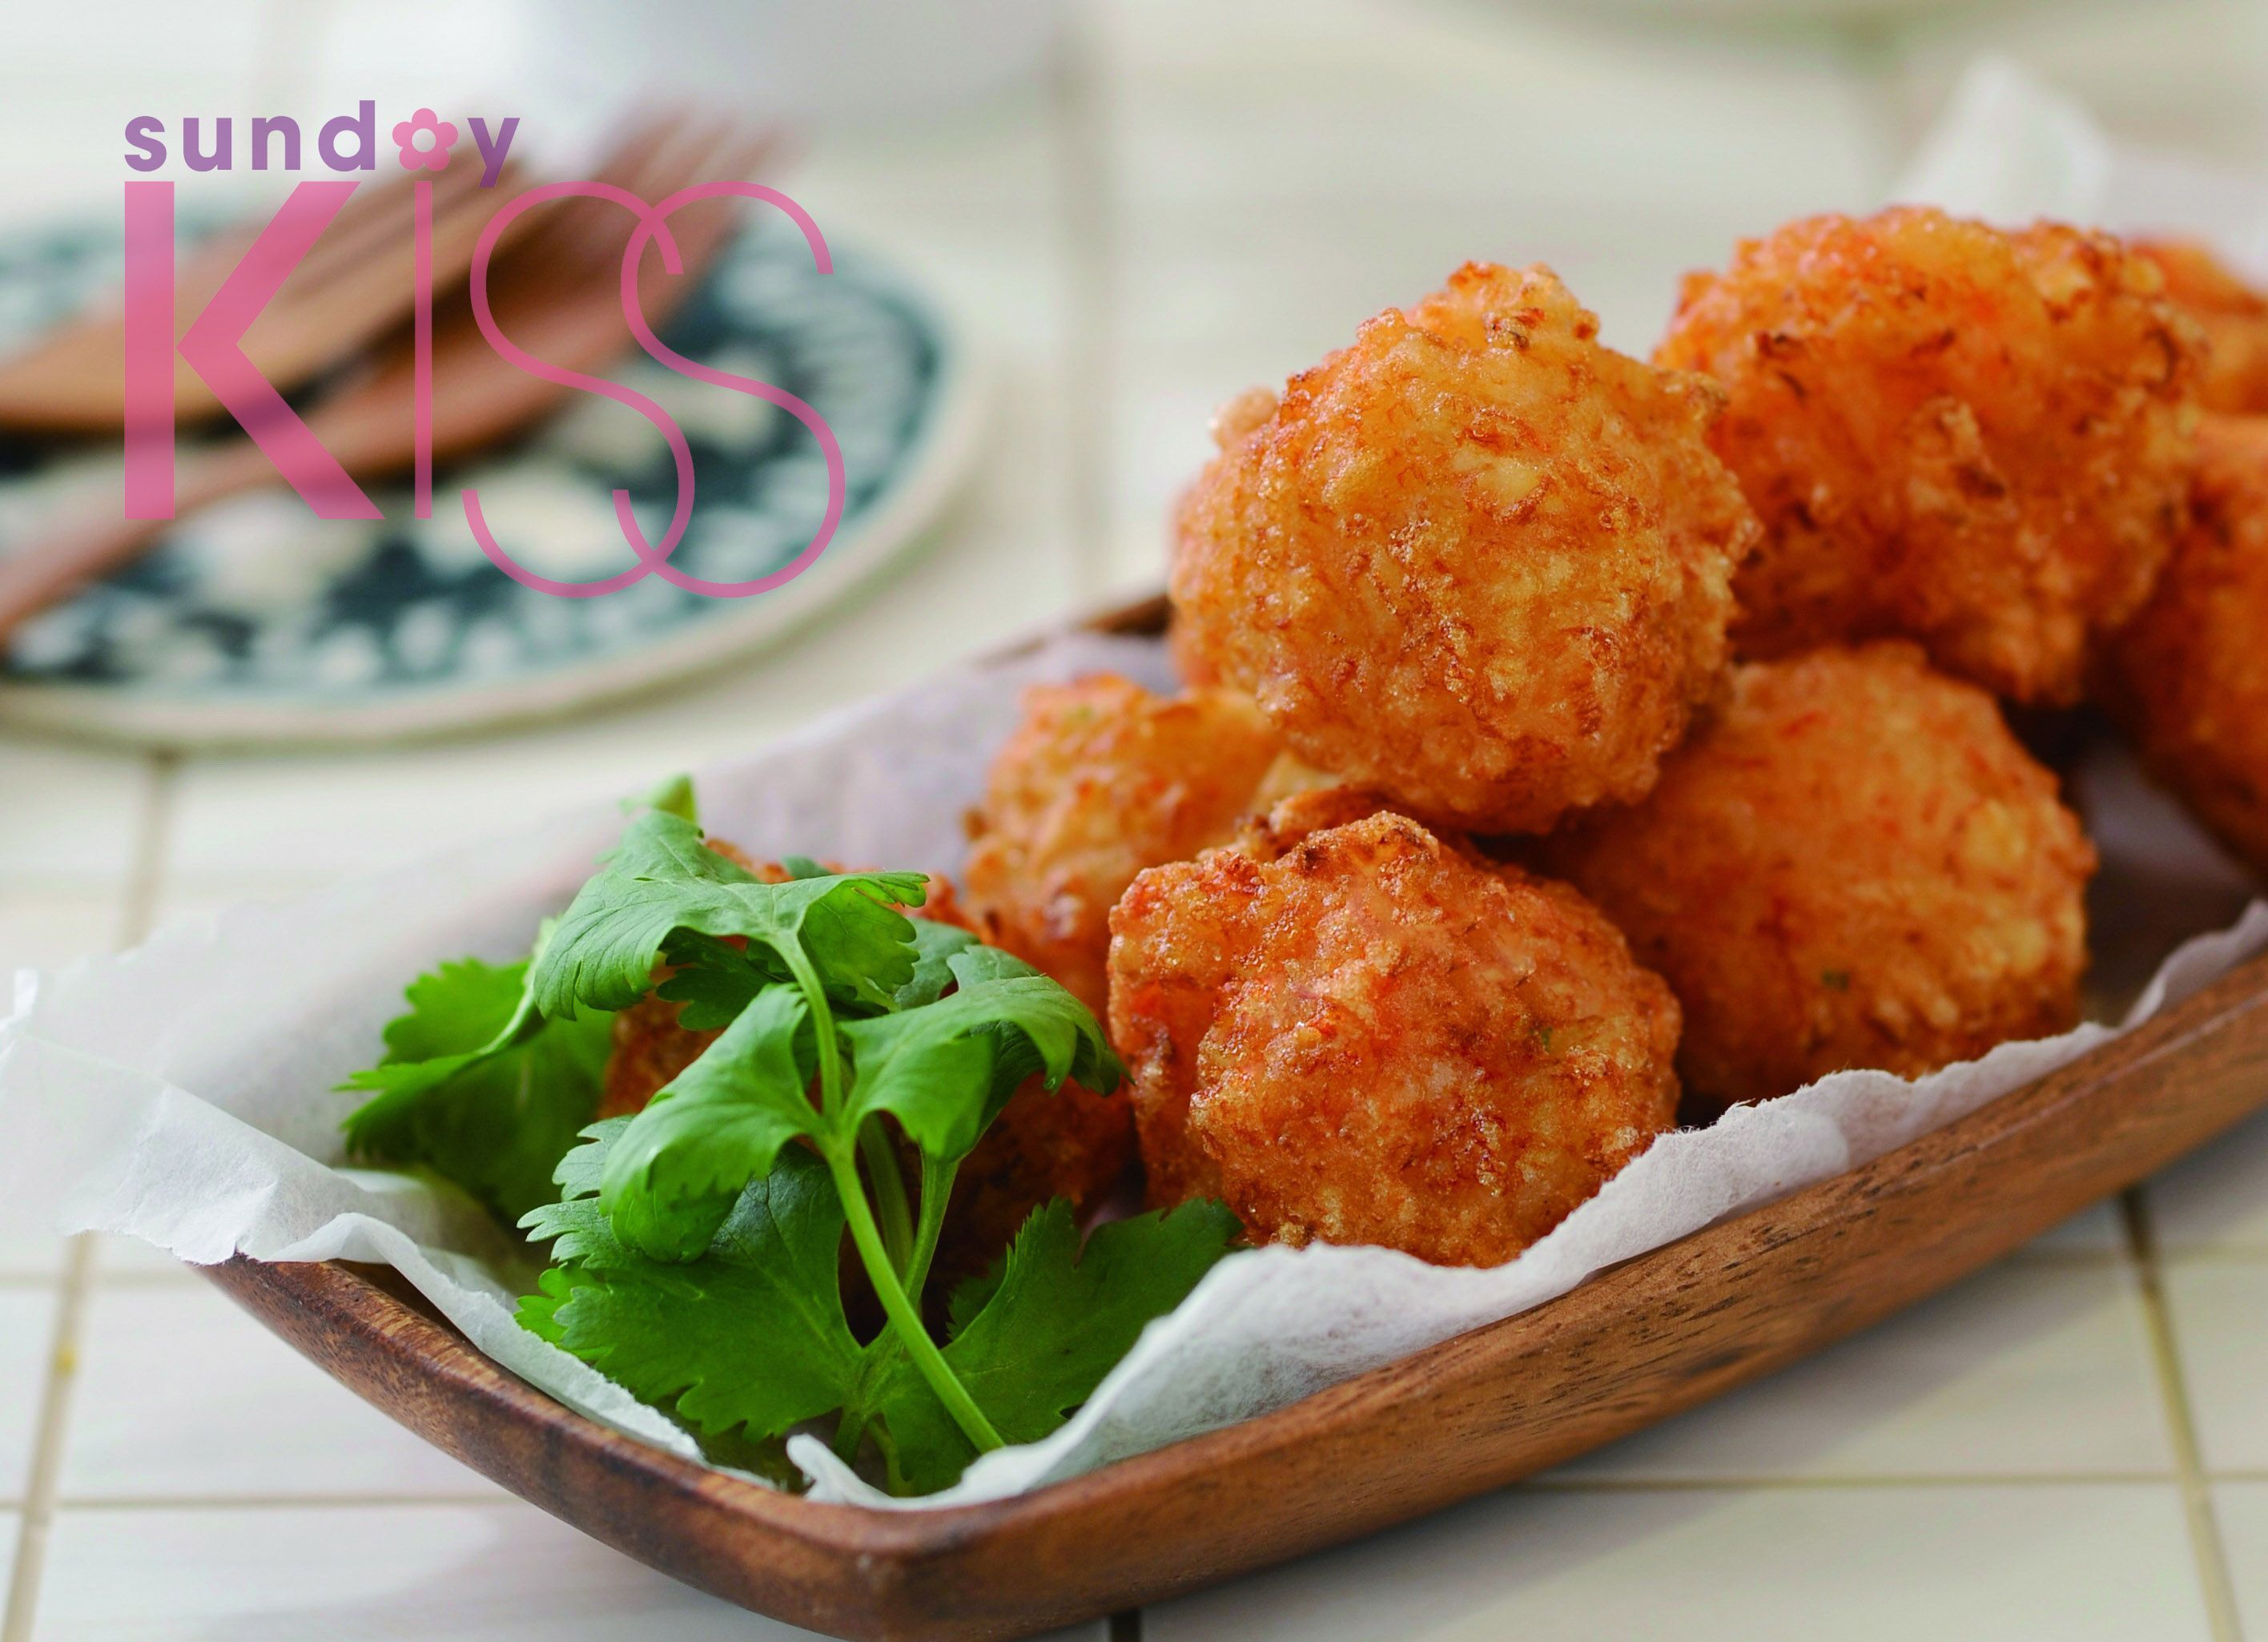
2220 1312
26 1331
2039 1367
2243 1511
181 1397
66 816
44 922
2107 1563
1206 194
491 1572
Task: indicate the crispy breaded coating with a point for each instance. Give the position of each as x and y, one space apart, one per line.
651 1049
1072 1143
2187 678
1976 439
1365 1033
1169 1019
1101 779
1852 864
2232 316
1477 560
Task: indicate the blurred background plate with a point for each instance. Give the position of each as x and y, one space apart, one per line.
255 622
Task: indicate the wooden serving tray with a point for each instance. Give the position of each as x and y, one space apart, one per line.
1645 1340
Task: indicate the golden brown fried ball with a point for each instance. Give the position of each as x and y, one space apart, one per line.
1071 1142
1168 1019
2232 316
651 1049
1475 560
2188 677
1101 779
1852 864
1365 1035
1976 439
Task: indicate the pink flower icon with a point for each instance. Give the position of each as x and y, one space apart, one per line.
431 155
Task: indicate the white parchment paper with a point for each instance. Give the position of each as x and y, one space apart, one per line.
183 1092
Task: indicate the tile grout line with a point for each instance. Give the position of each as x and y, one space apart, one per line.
1084 203
2219 1592
48 1449
136 907
152 843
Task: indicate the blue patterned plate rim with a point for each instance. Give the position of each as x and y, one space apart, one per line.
910 418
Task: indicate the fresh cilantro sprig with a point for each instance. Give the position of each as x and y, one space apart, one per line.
840 934
750 1339
697 1245
857 1011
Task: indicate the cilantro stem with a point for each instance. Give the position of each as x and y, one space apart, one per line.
905 1321
936 1193
841 1152
829 1046
873 1145
889 1183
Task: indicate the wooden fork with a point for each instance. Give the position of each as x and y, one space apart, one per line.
555 293
354 286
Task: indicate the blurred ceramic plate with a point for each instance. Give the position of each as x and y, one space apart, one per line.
254 622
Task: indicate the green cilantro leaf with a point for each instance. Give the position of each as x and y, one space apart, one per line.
583 1166
1060 1317
712 981
698 1247
715 1126
643 1222
1036 1336
476 1086
944 1070
934 945
749 1339
673 797
663 878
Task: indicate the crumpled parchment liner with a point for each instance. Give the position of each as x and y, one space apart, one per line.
183 1092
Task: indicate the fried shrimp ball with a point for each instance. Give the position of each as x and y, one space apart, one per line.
1975 438
1071 1142
1365 1033
1101 779
1477 560
2232 316
1168 1019
2188 677
1852 864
